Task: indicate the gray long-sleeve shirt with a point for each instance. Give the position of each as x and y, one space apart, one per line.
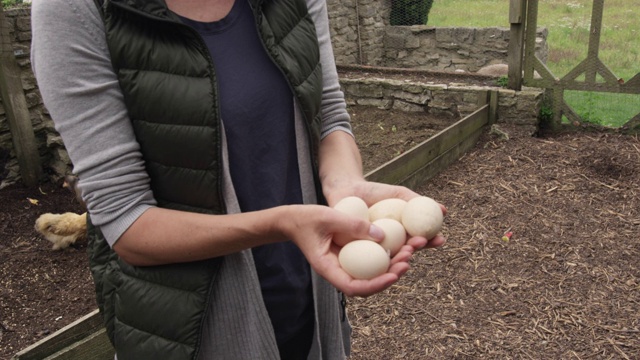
80 89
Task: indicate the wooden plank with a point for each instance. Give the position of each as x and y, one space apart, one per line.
493 107
601 87
483 99
634 82
411 162
516 43
17 111
632 125
440 163
594 41
96 346
541 68
531 34
516 11
75 332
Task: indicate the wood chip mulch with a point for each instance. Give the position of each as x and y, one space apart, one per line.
565 286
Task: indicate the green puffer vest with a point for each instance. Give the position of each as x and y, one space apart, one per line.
169 86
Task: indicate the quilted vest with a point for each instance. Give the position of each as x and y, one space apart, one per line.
169 86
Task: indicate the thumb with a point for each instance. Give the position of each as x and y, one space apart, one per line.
357 229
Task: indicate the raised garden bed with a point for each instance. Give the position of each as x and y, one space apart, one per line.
417 154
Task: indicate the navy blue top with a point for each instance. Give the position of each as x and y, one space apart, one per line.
257 110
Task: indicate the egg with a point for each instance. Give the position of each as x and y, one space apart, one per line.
354 206
422 216
395 235
364 259
387 209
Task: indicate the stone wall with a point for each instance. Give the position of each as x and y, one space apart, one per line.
455 100
418 46
358 39
450 49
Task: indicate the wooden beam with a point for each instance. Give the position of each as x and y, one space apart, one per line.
516 43
437 165
516 11
84 336
417 164
17 111
95 346
493 107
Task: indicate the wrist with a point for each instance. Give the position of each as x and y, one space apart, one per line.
334 189
341 181
284 221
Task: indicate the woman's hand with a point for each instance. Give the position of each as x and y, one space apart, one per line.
341 176
371 193
312 227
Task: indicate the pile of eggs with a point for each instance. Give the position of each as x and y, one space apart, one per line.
399 219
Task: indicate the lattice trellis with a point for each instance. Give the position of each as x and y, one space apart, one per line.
592 67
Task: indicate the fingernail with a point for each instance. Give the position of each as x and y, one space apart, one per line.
376 232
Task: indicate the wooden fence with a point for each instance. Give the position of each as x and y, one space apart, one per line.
16 109
523 16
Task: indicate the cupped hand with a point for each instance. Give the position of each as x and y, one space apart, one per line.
312 227
371 193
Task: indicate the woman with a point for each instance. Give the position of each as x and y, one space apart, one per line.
203 131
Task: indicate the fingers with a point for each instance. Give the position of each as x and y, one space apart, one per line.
417 242
348 228
354 287
399 267
404 254
444 209
437 241
364 288
333 273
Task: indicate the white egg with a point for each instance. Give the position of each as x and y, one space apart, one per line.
395 235
422 217
364 259
387 209
354 206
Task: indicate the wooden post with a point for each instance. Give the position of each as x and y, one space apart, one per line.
17 112
594 41
493 107
516 42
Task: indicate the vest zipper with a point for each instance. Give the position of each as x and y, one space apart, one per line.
307 125
205 52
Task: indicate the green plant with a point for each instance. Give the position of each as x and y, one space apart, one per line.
10 3
503 81
546 114
410 12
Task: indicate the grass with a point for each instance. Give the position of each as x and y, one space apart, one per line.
10 3
568 23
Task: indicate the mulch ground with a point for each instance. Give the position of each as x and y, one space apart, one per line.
40 290
565 286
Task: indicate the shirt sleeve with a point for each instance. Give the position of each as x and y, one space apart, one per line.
334 108
81 92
